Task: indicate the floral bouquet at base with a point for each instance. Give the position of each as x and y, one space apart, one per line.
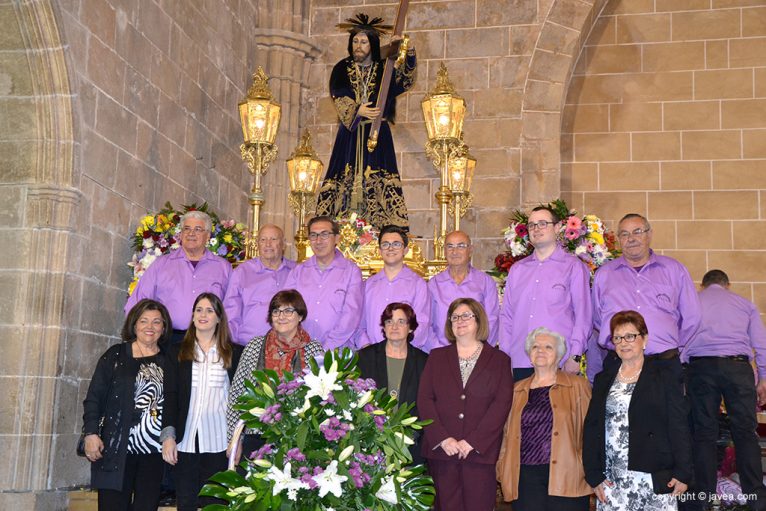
159 234
333 443
355 233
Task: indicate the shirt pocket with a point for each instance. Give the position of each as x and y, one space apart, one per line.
664 298
338 300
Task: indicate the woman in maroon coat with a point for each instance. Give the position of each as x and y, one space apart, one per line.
466 390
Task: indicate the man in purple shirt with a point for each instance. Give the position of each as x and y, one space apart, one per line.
657 287
253 284
719 366
460 280
331 285
177 278
551 289
394 283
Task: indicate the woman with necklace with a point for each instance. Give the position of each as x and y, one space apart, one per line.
395 363
194 425
124 409
540 465
466 390
637 449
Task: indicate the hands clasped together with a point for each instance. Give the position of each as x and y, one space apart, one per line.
459 447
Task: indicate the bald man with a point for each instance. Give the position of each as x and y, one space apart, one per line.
253 284
460 280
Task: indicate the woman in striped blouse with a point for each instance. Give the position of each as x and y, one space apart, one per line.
197 392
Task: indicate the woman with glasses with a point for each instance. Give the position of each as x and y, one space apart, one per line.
540 465
285 347
197 393
466 390
636 442
395 363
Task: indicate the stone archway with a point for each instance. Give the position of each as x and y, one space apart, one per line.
562 36
40 200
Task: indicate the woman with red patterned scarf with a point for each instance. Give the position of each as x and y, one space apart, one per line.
285 347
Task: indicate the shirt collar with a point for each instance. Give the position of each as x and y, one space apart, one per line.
621 261
336 260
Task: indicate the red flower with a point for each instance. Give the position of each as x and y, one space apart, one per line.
521 230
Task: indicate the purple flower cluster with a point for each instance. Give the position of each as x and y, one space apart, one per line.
295 454
358 476
361 385
371 459
306 476
272 414
330 400
262 452
333 430
287 388
378 419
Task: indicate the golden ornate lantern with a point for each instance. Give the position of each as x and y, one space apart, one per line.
444 112
259 115
305 171
460 170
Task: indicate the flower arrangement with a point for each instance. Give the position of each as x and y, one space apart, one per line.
355 233
333 442
159 233
586 237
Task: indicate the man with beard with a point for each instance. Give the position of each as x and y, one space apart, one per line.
359 180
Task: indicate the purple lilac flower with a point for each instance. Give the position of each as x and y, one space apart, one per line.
222 250
262 452
333 429
330 400
295 454
272 414
358 476
287 388
361 385
379 419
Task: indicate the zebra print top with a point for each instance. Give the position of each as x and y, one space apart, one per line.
149 398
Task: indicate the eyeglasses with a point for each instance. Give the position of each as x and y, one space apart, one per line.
392 322
541 224
636 233
457 246
617 339
396 245
466 316
287 312
313 236
195 230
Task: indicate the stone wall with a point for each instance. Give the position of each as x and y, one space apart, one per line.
666 116
108 109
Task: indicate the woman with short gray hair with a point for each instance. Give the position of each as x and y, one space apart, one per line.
540 464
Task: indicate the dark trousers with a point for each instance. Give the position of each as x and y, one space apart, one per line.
519 373
140 485
462 486
533 493
190 475
710 379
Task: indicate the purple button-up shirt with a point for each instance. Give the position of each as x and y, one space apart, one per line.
731 325
334 299
407 287
251 287
174 281
553 293
662 292
443 290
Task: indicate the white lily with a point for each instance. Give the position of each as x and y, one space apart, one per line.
366 398
283 480
345 453
329 481
404 438
387 491
323 383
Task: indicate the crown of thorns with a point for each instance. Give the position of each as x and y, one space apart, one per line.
362 22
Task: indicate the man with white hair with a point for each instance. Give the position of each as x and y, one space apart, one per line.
177 278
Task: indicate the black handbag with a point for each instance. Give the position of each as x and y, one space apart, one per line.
80 450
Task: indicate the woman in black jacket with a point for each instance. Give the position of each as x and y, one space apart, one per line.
123 412
395 363
636 445
194 425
